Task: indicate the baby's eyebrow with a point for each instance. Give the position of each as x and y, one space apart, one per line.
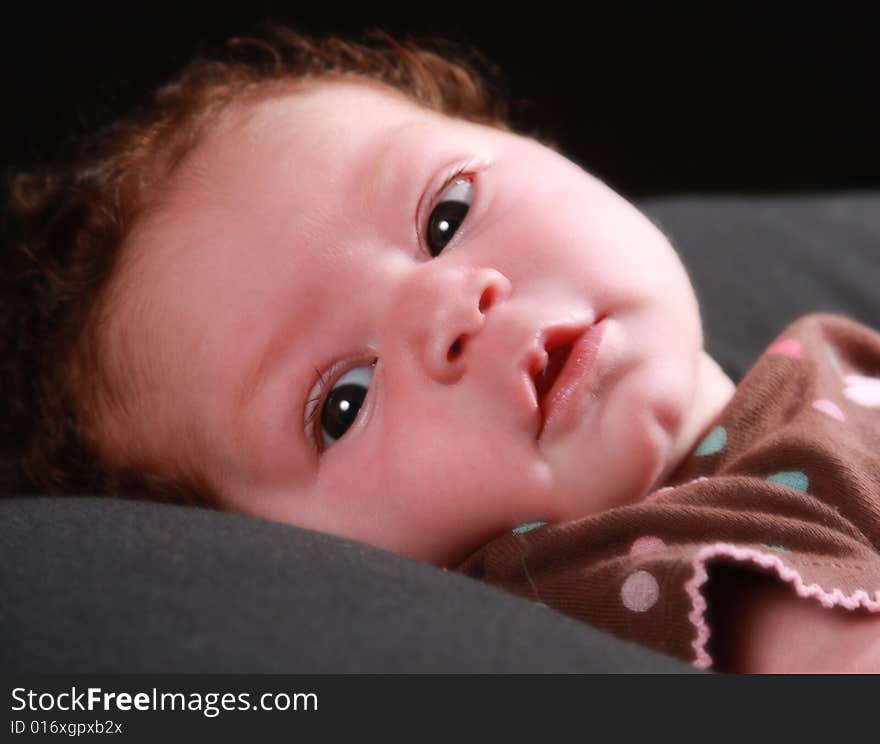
283 336
385 154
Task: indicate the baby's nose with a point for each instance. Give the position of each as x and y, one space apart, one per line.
454 304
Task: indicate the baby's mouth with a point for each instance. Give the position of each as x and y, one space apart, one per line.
558 345
561 372
556 359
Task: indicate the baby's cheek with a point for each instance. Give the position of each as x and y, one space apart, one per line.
641 423
614 458
463 483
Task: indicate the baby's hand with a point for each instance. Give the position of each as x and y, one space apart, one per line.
767 629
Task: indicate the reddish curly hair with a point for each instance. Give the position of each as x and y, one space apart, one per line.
68 224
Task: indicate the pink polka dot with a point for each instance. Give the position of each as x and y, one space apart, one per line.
639 592
659 492
646 544
665 491
787 347
696 480
830 408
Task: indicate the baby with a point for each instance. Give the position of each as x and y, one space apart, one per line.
340 292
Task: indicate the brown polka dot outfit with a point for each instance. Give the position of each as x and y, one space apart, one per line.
785 483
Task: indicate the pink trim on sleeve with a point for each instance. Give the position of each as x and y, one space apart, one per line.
834 598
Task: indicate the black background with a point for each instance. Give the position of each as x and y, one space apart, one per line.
652 99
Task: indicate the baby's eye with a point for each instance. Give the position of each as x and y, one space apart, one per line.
341 407
447 216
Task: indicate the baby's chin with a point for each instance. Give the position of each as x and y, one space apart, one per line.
620 460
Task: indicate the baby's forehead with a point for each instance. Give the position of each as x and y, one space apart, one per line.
300 124
339 141
319 107
328 136
324 138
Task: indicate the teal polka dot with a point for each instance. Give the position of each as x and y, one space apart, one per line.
796 479
776 548
715 441
832 357
527 527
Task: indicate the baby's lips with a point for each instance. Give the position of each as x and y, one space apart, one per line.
545 360
533 364
513 351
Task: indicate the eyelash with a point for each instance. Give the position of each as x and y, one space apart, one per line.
317 400
425 214
459 171
322 388
325 381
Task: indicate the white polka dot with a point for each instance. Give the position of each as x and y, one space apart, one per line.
639 592
646 544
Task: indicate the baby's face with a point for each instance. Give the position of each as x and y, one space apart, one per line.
340 339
